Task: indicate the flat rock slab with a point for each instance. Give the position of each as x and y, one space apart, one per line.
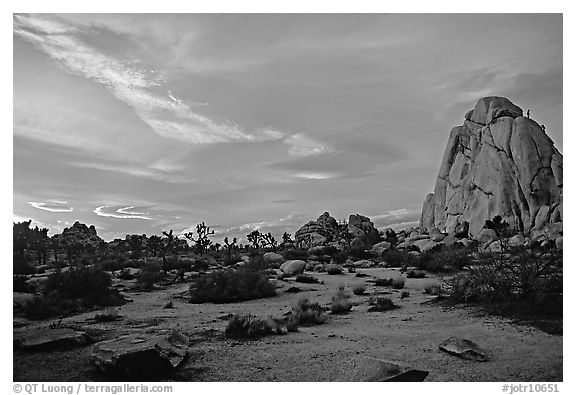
464 348
141 355
50 339
369 369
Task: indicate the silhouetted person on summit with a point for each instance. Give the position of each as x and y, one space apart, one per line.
543 127
528 113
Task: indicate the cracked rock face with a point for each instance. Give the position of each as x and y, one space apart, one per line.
497 163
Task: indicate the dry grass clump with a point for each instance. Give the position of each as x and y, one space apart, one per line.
340 302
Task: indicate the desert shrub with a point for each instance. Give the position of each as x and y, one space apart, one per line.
112 264
324 259
108 315
415 274
383 282
331 250
398 283
150 274
20 266
229 286
340 257
358 289
256 263
518 282
308 314
381 304
333 269
404 294
20 284
292 254
73 291
397 258
305 278
433 289
361 253
340 302
445 259
173 262
247 326
361 275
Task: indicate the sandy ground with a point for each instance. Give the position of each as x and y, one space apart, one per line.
409 335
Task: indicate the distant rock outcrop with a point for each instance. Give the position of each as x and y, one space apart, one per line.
80 236
326 229
497 163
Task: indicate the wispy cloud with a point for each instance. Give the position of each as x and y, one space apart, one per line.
302 145
134 85
121 213
53 206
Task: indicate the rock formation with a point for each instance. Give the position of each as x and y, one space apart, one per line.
325 230
497 163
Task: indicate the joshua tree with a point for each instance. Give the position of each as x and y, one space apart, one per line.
39 242
202 241
154 245
167 245
255 238
286 239
229 248
269 240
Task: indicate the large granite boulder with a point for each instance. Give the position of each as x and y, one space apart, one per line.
364 231
315 233
293 267
273 258
142 355
497 163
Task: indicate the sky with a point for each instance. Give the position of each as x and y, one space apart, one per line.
139 123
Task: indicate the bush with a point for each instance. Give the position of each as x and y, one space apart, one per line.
397 258
358 289
398 283
20 266
73 291
256 263
404 294
518 282
383 282
445 259
415 274
340 257
305 278
308 314
20 284
433 289
361 253
149 275
229 286
111 264
340 302
381 304
247 326
109 315
333 269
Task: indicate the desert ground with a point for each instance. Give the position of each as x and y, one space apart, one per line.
409 335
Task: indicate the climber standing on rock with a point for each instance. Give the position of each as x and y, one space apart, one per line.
528 114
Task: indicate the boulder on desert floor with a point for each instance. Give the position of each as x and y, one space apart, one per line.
292 268
273 258
369 369
464 348
50 339
142 355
